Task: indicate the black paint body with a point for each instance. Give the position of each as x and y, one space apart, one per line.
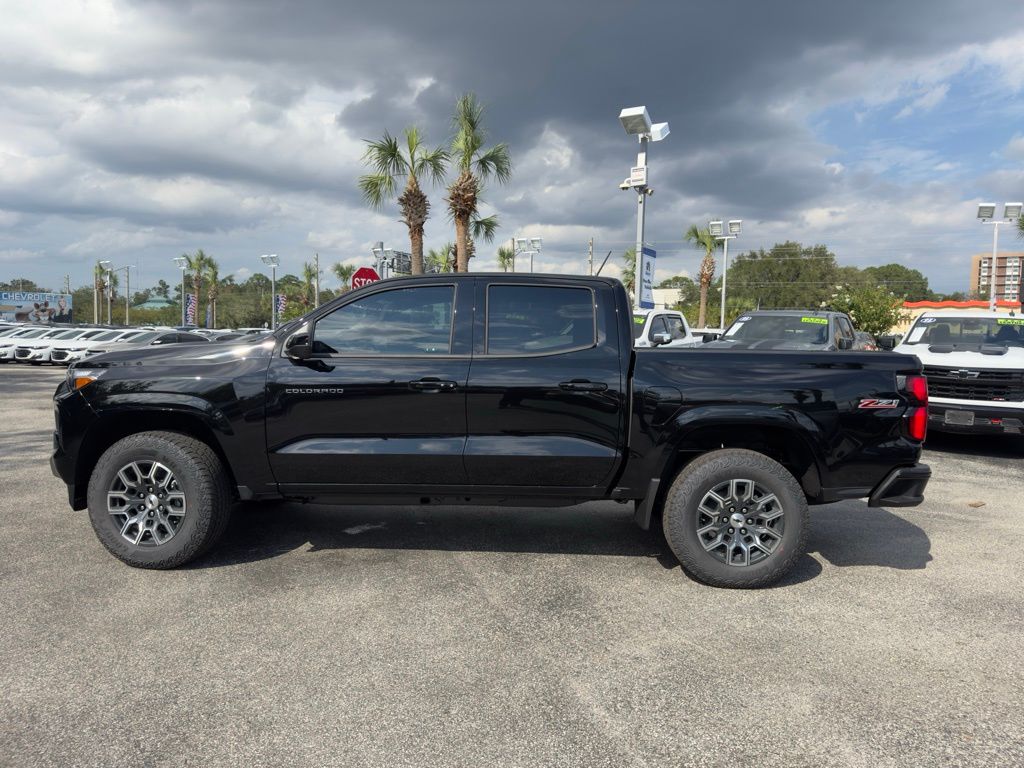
596 423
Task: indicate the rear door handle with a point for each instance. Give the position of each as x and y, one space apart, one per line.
430 384
582 385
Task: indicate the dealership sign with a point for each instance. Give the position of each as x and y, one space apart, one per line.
35 307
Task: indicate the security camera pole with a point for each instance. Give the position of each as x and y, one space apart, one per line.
637 123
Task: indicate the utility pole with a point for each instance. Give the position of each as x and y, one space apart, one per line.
67 283
316 266
590 257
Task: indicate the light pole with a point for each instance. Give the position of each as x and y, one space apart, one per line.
987 214
270 260
106 265
716 229
181 263
637 123
526 245
384 258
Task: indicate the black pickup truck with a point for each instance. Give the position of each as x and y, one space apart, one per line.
488 389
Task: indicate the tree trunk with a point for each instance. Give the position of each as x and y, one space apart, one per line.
416 240
462 243
703 311
199 292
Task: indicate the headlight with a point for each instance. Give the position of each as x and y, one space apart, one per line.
82 377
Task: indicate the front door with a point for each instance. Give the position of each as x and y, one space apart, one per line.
383 400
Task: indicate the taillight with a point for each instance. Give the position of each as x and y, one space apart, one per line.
917 414
917 386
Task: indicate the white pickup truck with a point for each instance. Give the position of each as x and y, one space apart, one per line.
662 328
974 363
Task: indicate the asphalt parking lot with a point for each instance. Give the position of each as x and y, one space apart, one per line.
473 636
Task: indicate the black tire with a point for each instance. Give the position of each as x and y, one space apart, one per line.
682 517
200 476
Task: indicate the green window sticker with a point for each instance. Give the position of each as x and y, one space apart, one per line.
815 320
639 319
1010 320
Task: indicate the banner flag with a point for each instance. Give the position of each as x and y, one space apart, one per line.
190 309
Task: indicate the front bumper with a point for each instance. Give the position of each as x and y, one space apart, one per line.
903 487
987 420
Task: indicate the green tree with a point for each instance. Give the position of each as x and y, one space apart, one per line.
901 280
689 293
703 240
213 291
442 259
308 287
789 275
506 257
475 165
199 263
629 273
1020 227
874 309
344 273
390 163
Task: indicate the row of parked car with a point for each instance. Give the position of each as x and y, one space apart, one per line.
797 329
63 345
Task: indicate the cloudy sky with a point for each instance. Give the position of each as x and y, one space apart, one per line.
138 130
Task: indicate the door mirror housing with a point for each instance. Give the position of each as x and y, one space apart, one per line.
844 343
709 337
661 338
299 346
888 342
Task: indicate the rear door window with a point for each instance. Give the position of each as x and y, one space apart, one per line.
539 319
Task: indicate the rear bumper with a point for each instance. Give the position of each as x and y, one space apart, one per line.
903 487
987 420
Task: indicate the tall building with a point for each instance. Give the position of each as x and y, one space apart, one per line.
1008 275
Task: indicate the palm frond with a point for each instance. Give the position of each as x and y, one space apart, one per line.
377 188
484 228
433 164
497 162
385 156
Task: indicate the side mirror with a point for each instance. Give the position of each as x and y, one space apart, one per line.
298 346
887 342
844 343
661 338
709 337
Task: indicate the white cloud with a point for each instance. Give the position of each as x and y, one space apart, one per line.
928 100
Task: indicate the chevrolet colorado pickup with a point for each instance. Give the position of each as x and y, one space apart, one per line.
509 389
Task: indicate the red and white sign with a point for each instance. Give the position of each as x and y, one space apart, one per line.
364 276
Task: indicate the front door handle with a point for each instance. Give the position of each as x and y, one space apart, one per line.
430 384
582 385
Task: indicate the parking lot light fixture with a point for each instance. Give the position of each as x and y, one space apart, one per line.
718 232
527 245
181 263
987 214
637 122
270 260
107 267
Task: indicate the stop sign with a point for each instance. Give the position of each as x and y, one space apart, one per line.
364 276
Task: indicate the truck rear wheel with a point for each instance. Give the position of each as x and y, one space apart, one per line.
735 518
159 499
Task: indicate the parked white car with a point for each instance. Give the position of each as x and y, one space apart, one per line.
77 349
974 364
662 328
37 350
9 340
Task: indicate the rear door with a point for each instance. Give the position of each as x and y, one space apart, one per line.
383 401
545 392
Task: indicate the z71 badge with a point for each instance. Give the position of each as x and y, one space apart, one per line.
879 404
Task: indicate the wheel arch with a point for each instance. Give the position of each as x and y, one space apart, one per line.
118 424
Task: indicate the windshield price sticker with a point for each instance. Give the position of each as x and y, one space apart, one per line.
735 327
1010 320
916 334
815 320
639 319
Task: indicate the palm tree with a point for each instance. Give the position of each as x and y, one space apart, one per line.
506 257
475 165
629 272
389 163
213 277
703 240
442 259
199 263
308 286
1020 227
344 273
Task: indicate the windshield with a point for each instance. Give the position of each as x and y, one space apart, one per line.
34 333
638 325
133 335
1005 331
141 338
106 336
796 328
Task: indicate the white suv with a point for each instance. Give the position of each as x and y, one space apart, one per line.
974 363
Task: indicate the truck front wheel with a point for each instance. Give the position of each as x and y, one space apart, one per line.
736 518
159 499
